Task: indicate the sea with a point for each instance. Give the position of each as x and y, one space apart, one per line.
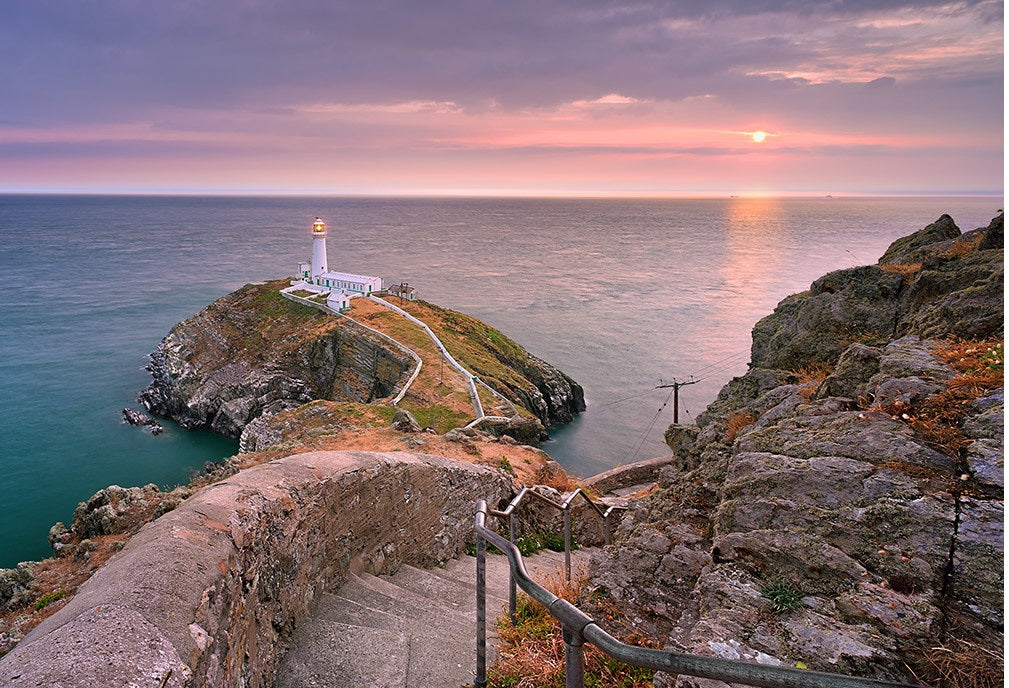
624 295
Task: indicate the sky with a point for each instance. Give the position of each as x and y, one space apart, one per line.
489 97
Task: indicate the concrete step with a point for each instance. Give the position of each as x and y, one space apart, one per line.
335 655
451 593
414 629
358 603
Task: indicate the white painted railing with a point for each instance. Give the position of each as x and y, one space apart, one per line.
471 379
407 350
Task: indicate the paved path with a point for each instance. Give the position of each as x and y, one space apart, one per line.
414 629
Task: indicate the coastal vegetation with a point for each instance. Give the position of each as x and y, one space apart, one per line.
531 652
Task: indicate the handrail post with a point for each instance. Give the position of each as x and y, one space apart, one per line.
512 536
574 659
481 613
567 543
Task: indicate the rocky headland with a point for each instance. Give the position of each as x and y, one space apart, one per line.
840 506
252 354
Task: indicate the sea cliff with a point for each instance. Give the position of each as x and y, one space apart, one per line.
840 506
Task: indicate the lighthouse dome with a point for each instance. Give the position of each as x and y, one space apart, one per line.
318 227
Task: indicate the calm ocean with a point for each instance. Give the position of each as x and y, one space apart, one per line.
619 294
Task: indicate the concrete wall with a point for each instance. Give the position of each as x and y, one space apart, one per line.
208 594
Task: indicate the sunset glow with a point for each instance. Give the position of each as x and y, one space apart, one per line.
579 100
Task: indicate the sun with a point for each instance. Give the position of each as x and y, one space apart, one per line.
759 136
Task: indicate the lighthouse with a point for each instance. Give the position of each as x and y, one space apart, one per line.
318 248
316 276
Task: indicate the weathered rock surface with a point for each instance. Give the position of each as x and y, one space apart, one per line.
554 397
210 593
953 294
889 545
14 585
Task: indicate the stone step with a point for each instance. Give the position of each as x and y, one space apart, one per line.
357 603
414 629
452 593
327 654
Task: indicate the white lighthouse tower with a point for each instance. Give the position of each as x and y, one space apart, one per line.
318 248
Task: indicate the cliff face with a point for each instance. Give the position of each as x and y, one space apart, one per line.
253 354
840 507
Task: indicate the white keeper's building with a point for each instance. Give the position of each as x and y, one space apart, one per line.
341 286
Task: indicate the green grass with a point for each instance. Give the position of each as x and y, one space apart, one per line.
783 595
994 360
437 416
47 599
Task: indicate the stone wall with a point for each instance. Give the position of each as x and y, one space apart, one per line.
209 594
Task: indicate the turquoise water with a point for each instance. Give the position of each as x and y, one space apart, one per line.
617 293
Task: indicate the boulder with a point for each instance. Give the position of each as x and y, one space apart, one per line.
403 421
15 585
815 327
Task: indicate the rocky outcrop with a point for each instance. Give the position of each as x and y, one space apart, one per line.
554 397
927 284
253 353
141 419
851 521
210 593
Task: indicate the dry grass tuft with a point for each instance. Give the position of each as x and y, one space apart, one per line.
737 421
962 247
531 653
961 664
938 419
812 373
559 480
909 271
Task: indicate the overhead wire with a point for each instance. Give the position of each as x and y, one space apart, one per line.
644 435
702 373
728 365
633 396
720 361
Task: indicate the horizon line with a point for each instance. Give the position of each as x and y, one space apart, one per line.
497 193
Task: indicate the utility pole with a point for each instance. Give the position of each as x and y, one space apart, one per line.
676 384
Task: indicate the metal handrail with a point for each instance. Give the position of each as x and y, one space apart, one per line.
565 507
579 628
